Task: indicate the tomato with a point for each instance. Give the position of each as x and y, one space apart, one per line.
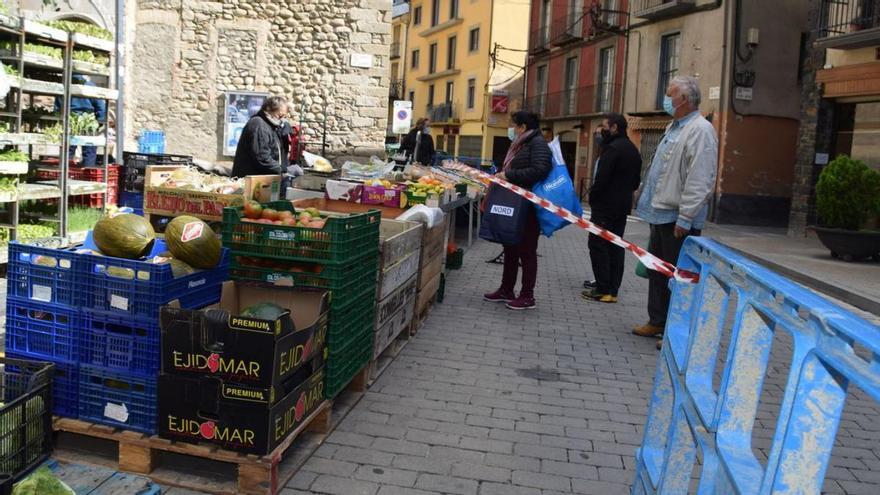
269 214
284 215
252 209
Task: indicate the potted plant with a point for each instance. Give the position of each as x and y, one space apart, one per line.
847 197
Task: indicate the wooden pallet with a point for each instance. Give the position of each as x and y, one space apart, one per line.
253 475
91 480
380 364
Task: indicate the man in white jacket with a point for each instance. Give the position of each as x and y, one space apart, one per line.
674 195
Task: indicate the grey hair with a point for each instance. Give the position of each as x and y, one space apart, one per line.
690 87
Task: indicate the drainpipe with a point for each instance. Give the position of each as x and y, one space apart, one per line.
723 106
120 78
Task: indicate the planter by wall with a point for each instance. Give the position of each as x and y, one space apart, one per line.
850 245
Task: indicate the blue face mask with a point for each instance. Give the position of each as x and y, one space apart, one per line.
511 133
668 106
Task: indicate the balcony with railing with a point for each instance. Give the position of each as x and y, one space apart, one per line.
578 102
443 112
539 40
396 90
847 24
567 28
395 50
661 9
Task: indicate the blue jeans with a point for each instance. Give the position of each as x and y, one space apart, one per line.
90 155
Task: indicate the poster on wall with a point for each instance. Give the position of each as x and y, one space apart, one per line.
240 106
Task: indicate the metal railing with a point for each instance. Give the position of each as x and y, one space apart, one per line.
539 39
567 28
443 112
396 89
395 50
650 9
585 100
841 17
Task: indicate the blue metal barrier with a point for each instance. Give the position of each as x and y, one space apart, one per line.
688 415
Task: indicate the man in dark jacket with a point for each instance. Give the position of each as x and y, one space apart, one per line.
618 174
418 145
260 151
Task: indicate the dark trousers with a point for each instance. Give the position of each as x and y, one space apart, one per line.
89 155
606 258
525 253
665 246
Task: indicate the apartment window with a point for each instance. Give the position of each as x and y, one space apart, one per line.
453 9
569 99
605 91
415 59
450 52
450 88
471 93
412 98
670 51
611 7
417 15
574 20
540 88
431 95
432 58
544 30
474 40
435 12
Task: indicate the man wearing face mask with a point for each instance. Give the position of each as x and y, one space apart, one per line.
260 150
674 197
617 177
418 145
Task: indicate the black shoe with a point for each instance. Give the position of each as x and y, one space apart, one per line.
589 284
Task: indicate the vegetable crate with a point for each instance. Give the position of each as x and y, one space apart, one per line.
137 289
45 274
90 174
342 239
119 344
25 416
65 385
123 400
42 330
136 164
344 364
347 321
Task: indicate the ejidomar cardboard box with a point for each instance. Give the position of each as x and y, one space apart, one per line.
207 409
258 355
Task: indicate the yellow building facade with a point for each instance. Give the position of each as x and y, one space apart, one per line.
463 64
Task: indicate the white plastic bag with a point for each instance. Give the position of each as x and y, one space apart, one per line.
319 163
421 213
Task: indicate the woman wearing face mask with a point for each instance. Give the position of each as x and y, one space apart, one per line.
260 150
418 145
528 162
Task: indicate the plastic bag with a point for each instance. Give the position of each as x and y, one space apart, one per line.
319 163
421 213
373 170
558 189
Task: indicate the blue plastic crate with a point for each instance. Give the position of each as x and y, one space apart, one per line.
123 400
65 385
44 274
151 142
137 288
42 330
123 345
133 200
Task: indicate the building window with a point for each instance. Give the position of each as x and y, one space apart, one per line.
569 97
415 59
432 58
453 9
450 52
417 15
544 30
574 20
412 98
470 146
605 91
540 88
611 7
435 12
474 40
471 93
431 95
450 88
670 50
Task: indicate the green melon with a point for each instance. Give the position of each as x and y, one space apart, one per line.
264 311
193 242
124 236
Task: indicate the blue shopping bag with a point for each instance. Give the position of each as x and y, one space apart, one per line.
558 189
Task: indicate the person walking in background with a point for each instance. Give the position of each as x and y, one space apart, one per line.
674 197
85 106
528 161
618 173
260 151
418 145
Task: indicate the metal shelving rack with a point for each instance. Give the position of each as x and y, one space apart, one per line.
25 31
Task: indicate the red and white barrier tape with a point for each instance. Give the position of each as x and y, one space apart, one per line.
650 261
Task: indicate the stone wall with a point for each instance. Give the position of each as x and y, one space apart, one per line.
185 54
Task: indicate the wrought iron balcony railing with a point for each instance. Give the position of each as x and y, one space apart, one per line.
849 23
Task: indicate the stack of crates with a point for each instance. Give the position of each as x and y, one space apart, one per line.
97 318
134 172
342 258
89 174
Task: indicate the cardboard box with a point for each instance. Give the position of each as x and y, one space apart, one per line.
207 206
342 190
388 307
397 239
394 197
392 277
393 326
200 409
253 353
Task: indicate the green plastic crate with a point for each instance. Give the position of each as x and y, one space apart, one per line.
342 239
346 324
349 344
342 368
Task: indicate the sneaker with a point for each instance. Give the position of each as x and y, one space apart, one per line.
499 296
522 302
648 330
608 299
589 284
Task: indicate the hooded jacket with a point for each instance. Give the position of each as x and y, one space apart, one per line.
259 148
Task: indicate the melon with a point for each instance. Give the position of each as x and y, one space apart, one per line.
264 311
124 236
192 241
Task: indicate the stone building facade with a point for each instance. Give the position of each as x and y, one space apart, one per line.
184 55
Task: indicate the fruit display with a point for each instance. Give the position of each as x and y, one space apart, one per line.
379 183
192 179
192 241
309 218
124 236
